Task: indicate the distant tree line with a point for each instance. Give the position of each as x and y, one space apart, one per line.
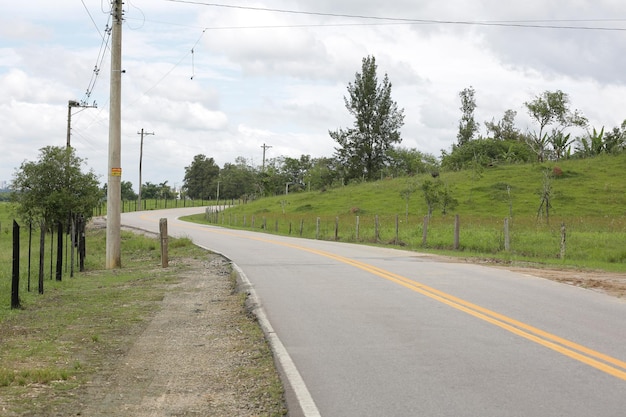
370 149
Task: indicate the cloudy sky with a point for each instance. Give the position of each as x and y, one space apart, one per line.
275 72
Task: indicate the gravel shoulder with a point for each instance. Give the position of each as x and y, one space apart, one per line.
200 355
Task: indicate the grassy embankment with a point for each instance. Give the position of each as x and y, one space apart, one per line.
589 198
59 340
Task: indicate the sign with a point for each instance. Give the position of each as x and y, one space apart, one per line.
116 172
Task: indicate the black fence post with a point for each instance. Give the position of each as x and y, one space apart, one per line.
42 246
15 284
82 249
30 249
59 266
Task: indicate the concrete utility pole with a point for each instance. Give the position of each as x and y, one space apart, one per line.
142 133
70 104
265 147
114 187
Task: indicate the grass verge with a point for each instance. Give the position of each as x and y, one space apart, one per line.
58 342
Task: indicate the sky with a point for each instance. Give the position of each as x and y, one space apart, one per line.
224 79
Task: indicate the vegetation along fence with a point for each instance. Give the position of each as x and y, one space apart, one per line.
576 239
157 204
31 252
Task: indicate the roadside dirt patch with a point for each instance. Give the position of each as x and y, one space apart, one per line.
194 358
607 282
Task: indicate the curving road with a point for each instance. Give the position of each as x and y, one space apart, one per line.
365 331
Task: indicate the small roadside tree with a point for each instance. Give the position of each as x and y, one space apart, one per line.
551 109
53 191
363 148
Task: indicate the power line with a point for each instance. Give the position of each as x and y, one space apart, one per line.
534 24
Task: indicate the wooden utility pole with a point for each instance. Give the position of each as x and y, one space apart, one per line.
142 133
265 147
114 187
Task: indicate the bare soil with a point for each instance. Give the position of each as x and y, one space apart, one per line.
194 358
610 283
613 284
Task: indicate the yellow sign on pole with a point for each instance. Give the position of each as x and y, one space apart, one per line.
116 172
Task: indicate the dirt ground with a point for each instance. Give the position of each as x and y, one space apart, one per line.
191 359
609 283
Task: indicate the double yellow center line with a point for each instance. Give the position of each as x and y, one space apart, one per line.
600 361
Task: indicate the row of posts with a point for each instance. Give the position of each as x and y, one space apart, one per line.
214 215
77 233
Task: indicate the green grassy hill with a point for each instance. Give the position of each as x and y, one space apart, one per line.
594 187
588 197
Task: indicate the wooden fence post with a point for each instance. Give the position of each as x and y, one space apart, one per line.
457 232
376 229
317 228
507 236
15 282
336 228
425 231
563 240
301 226
163 234
397 230
357 228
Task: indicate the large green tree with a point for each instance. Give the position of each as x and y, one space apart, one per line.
51 188
377 121
238 180
201 177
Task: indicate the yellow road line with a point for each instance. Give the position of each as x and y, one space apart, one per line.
598 360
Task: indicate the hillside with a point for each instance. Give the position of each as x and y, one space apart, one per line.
587 188
586 227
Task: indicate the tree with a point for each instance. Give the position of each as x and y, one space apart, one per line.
128 194
323 173
200 177
551 109
486 152
52 191
468 127
363 149
504 129
615 140
53 187
238 180
403 161
596 143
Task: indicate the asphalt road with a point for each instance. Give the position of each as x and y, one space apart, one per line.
364 331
